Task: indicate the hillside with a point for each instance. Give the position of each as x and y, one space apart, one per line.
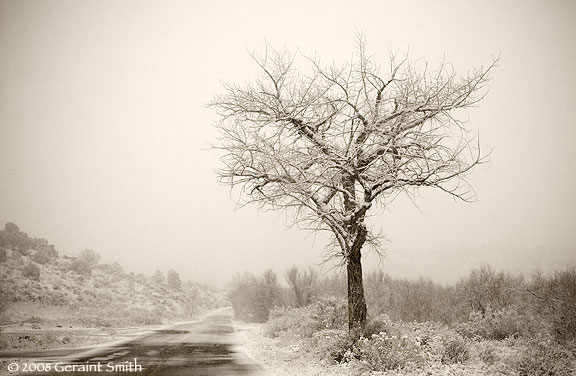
41 289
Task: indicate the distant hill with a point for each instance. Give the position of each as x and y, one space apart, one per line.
95 294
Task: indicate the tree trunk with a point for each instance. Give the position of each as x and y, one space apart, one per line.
356 300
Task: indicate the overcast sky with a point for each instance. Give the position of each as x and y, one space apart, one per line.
104 133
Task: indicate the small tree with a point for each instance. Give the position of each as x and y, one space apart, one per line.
328 143
555 298
44 252
11 237
253 297
158 279
268 292
11 228
486 289
85 262
243 297
302 284
116 269
173 280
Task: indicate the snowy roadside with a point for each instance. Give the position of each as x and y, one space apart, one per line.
280 359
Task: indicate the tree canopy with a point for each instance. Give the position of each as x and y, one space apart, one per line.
326 143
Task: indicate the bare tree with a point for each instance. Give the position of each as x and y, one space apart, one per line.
326 143
254 297
303 284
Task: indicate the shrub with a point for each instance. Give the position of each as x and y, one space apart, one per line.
173 280
158 279
11 237
429 335
115 316
455 350
487 352
485 288
41 257
31 271
85 263
33 320
330 312
6 297
332 344
384 352
497 325
555 298
144 316
299 321
377 325
326 313
409 300
545 358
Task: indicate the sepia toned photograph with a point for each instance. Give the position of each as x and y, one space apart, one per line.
288 188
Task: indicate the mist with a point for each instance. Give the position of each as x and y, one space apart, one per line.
105 135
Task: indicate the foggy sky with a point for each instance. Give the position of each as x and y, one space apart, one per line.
104 133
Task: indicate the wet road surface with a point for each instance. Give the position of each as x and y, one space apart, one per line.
205 347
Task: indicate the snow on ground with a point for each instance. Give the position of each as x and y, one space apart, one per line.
279 358
283 360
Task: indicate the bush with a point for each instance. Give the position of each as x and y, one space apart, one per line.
555 299
158 279
330 313
85 263
144 316
11 237
173 280
409 300
31 271
455 350
486 289
41 257
33 320
487 352
498 325
326 313
117 316
298 321
377 325
332 344
546 358
384 352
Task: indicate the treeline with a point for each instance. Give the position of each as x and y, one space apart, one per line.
253 297
12 238
492 304
16 244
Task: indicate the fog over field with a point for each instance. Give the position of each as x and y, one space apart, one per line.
105 134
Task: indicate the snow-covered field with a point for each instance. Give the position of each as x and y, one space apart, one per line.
283 357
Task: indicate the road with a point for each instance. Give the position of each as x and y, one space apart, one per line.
205 347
